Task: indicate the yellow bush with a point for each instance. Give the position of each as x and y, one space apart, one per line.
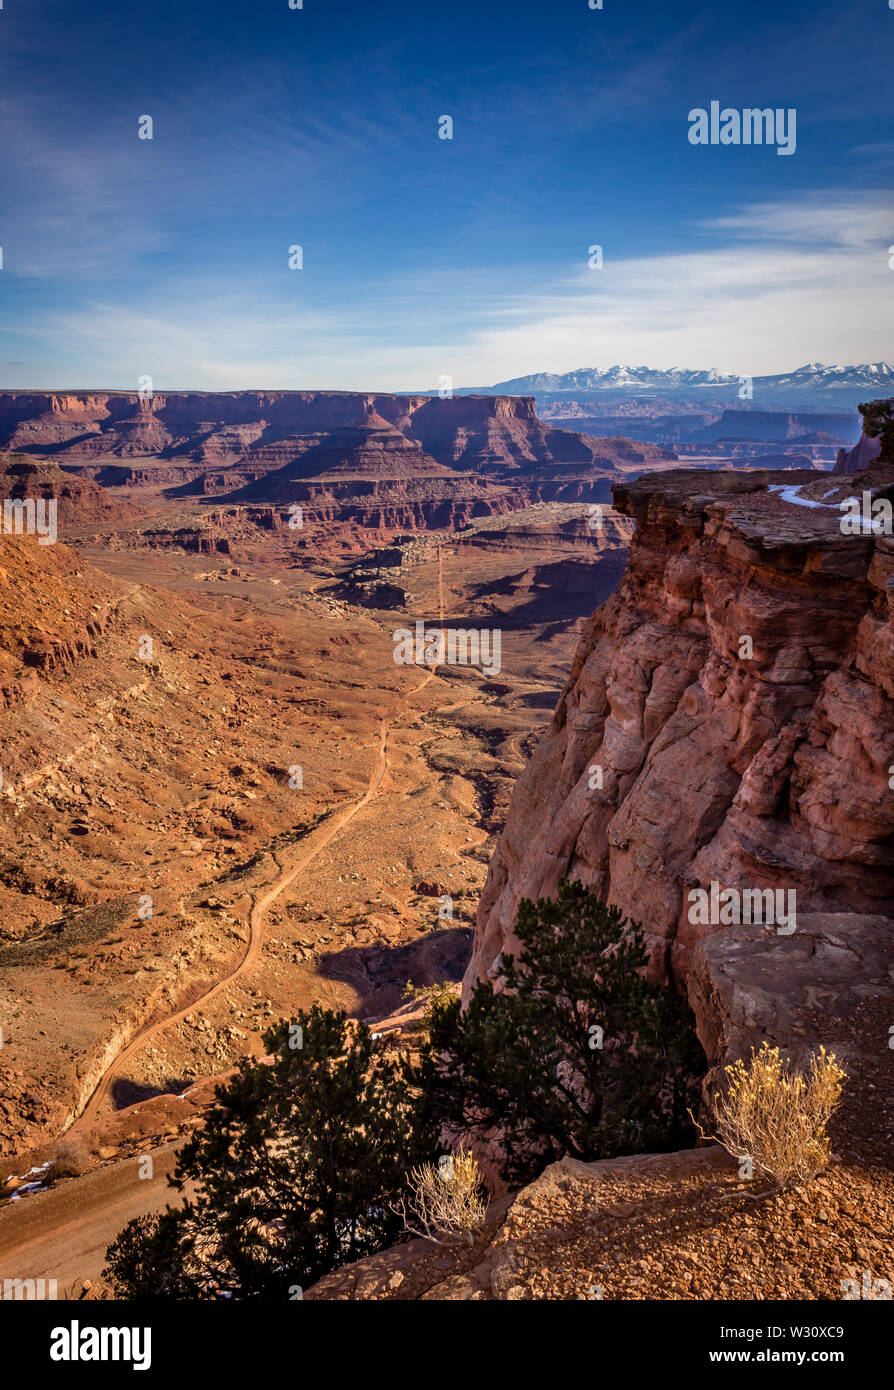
777 1116
440 993
447 1201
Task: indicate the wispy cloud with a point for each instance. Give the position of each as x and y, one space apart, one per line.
778 285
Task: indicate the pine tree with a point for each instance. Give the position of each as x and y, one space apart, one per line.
295 1171
577 1053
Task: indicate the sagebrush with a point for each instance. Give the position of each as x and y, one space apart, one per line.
777 1116
447 1202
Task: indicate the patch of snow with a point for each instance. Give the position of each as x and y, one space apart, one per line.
41 1168
791 493
25 1189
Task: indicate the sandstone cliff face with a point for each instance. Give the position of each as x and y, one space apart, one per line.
768 770
219 427
859 457
253 433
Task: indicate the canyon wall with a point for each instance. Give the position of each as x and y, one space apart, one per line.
728 719
214 442
360 466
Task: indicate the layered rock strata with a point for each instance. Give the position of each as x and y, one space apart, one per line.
729 720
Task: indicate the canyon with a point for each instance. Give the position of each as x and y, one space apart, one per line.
345 468
168 887
167 662
743 673
776 759
328 448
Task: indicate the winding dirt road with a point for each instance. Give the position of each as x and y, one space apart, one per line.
95 1104
63 1233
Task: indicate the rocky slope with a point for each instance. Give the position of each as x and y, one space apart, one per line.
160 772
79 501
754 764
167 773
665 1226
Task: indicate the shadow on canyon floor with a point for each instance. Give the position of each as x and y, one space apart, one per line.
379 973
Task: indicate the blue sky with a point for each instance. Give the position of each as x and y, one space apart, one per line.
424 257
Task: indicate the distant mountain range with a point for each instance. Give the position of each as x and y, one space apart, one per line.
814 384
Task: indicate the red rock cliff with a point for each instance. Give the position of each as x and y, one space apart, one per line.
768 770
263 431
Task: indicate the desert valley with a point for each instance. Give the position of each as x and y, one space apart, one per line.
225 798
446 680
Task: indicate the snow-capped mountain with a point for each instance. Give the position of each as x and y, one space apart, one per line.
868 380
625 379
814 384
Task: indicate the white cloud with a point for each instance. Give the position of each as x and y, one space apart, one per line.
778 285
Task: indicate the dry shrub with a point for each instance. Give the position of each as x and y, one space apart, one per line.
777 1116
447 1202
69 1160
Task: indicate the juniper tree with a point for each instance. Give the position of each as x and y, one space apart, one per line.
296 1170
878 423
577 1053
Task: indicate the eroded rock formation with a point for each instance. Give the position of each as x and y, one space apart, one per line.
728 719
278 445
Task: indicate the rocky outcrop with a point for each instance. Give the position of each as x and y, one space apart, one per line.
728 720
56 653
856 459
869 446
828 984
219 441
19 689
195 540
79 501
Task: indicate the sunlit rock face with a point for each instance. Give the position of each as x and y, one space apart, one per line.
729 720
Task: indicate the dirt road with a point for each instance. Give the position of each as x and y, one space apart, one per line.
318 842
63 1233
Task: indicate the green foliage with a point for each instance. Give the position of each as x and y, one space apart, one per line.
438 993
436 996
147 1259
878 422
295 1171
301 1163
526 1062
